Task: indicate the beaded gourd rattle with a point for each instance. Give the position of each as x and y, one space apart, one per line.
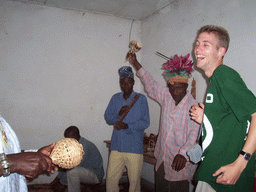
134 47
67 153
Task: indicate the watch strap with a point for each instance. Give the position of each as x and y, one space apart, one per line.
247 156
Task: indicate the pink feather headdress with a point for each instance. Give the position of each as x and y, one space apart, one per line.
178 69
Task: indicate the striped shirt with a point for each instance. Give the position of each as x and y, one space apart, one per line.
177 132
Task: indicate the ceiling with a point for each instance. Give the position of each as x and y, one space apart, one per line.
129 9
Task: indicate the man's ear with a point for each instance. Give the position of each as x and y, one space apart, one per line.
222 51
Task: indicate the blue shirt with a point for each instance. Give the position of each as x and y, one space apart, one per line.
92 158
128 140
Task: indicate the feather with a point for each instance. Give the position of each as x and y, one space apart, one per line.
178 65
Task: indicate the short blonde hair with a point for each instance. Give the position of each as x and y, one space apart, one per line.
220 32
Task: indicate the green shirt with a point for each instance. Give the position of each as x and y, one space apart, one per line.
228 108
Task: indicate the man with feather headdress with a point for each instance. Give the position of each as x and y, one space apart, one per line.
177 132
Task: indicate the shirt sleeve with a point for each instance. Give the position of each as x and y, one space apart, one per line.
192 133
111 113
153 89
241 100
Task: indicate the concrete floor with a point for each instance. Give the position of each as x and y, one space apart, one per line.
124 187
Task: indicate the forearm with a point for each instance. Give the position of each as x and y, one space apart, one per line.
138 126
229 174
153 89
192 135
143 121
137 65
133 60
11 164
112 120
250 143
111 117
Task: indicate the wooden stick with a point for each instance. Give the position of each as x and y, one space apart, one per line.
163 56
130 106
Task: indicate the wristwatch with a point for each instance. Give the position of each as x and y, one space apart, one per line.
5 165
247 156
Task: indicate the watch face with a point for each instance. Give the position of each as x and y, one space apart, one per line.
247 156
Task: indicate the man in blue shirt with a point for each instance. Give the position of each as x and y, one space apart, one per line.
90 170
127 139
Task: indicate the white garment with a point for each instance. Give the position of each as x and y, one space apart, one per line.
203 186
14 182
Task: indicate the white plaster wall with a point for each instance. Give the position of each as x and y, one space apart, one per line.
60 68
173 31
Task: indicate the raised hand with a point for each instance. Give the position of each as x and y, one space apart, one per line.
133 60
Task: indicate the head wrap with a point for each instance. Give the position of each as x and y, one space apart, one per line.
178 69
125 71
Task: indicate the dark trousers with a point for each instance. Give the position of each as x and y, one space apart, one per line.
163 185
